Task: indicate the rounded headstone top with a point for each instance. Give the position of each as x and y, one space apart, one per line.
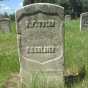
83 13
4 19
46 8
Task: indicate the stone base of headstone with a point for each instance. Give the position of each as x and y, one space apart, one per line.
43 80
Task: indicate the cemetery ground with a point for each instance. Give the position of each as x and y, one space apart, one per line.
76 54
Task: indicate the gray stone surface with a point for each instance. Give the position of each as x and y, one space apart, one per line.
40 33
67 17
5 25
84 21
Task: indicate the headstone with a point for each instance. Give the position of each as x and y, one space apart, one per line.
5 25
41 45
67 17
84 21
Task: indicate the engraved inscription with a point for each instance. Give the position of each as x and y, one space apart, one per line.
41 50
40 23
86 21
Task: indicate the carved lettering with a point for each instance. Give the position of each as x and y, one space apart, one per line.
86 22
40 23
41 50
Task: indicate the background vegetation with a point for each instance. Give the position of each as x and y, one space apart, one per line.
76 53
72 7
76 44
9 62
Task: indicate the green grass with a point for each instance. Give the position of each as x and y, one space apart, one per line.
9 62
76 52
42 80
76 46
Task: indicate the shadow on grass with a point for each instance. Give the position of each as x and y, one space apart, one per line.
72 79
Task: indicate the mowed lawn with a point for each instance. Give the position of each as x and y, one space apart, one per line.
76 52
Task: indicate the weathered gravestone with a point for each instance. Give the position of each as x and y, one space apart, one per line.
67 17
40 36
5 25
84 21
